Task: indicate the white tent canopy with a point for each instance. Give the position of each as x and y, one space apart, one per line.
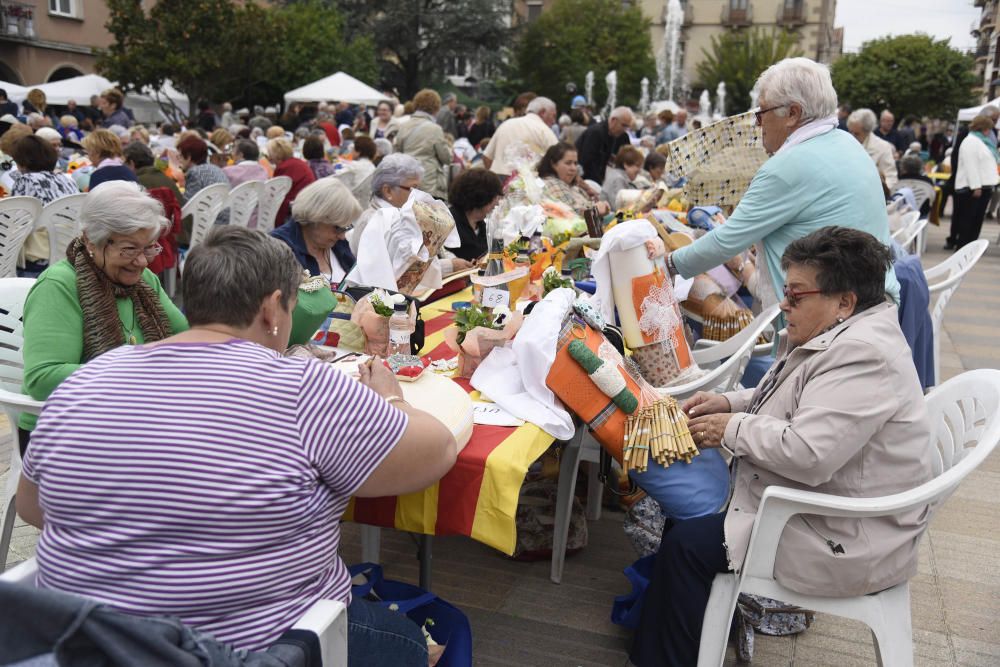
15 93
340 87
972 112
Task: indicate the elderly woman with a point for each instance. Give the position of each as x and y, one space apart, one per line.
424 139
69 127
473 194
105 152
974 181
383 126
230 520
861 124
281 153
199 173
110 104
314 152
842 412
322 215
560 172
816 177
36 161
139 158
101 296
628 164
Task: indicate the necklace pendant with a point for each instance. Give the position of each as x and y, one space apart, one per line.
131 340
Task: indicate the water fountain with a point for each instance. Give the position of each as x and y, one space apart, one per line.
669 75
644 96
589 87
720 101
612 82
704 108
754 95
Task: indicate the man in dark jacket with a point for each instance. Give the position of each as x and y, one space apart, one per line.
6 106
601 141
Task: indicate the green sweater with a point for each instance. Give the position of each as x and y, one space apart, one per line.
53 330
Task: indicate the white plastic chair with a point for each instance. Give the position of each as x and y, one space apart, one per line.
242 201
271 195
13 292
908 236
17 220
965 428
326 618
61 218
943 280
905 222
204 207
731 358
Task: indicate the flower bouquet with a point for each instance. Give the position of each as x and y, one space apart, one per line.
372 314
476 332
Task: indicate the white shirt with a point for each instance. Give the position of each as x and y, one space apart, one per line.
976 166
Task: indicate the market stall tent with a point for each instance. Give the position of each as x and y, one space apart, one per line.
15 93
971 112
339 87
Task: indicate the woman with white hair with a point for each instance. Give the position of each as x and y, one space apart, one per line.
322 215
101 296
816 177
861 124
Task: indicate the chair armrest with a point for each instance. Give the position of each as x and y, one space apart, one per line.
20 402
23 573
328 620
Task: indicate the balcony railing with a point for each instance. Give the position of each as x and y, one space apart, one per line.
17 19
735 18
791 16
688 14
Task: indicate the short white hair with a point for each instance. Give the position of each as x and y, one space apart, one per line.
864 118
800 81
394 170
540 105
619 114
120 207
326 201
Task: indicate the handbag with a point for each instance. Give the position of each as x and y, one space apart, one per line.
311 309
450 626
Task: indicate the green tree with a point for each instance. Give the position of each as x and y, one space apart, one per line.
739 57
416 37
221 50
909 74
576 36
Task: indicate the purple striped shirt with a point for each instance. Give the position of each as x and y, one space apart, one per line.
204 481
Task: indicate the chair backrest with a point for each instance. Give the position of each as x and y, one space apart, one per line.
17 219
907 235
61 218
965 420
272 194
906 221
13 292
204 208
242 200
732 356
945 278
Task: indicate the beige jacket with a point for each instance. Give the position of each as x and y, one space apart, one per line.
423 138
883 155
846 417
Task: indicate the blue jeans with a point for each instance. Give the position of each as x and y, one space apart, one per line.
378 637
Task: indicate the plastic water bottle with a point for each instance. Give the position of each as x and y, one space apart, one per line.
399 330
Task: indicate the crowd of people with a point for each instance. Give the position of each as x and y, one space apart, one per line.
236 434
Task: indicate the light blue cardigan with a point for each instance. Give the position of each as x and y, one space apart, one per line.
825 180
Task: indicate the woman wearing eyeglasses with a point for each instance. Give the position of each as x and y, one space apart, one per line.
841 412
322 215
815 177
101 296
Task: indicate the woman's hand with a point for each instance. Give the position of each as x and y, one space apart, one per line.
705 403
603 207
379 379
459 264
708 430
977 193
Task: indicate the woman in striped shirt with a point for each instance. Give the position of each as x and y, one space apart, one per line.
204 476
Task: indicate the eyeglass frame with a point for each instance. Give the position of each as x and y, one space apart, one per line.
150 252
794 297
759 113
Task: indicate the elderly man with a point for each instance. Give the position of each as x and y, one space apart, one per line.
533 130
861 124
815 178
601 141
887 131
674 130
446 116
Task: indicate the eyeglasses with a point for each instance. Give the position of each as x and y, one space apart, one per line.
343 229
131 252
759 114
404 187
793 297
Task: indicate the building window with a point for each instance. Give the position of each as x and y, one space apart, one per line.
740 5
793 6
62 7
534 11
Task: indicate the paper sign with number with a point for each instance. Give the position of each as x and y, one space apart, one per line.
496 298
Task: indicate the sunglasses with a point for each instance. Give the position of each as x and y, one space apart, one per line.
793 297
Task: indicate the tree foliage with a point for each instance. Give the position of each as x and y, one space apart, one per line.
739 57
909 74
416 37
577 36
223 50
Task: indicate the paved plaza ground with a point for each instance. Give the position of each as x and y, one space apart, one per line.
520 618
